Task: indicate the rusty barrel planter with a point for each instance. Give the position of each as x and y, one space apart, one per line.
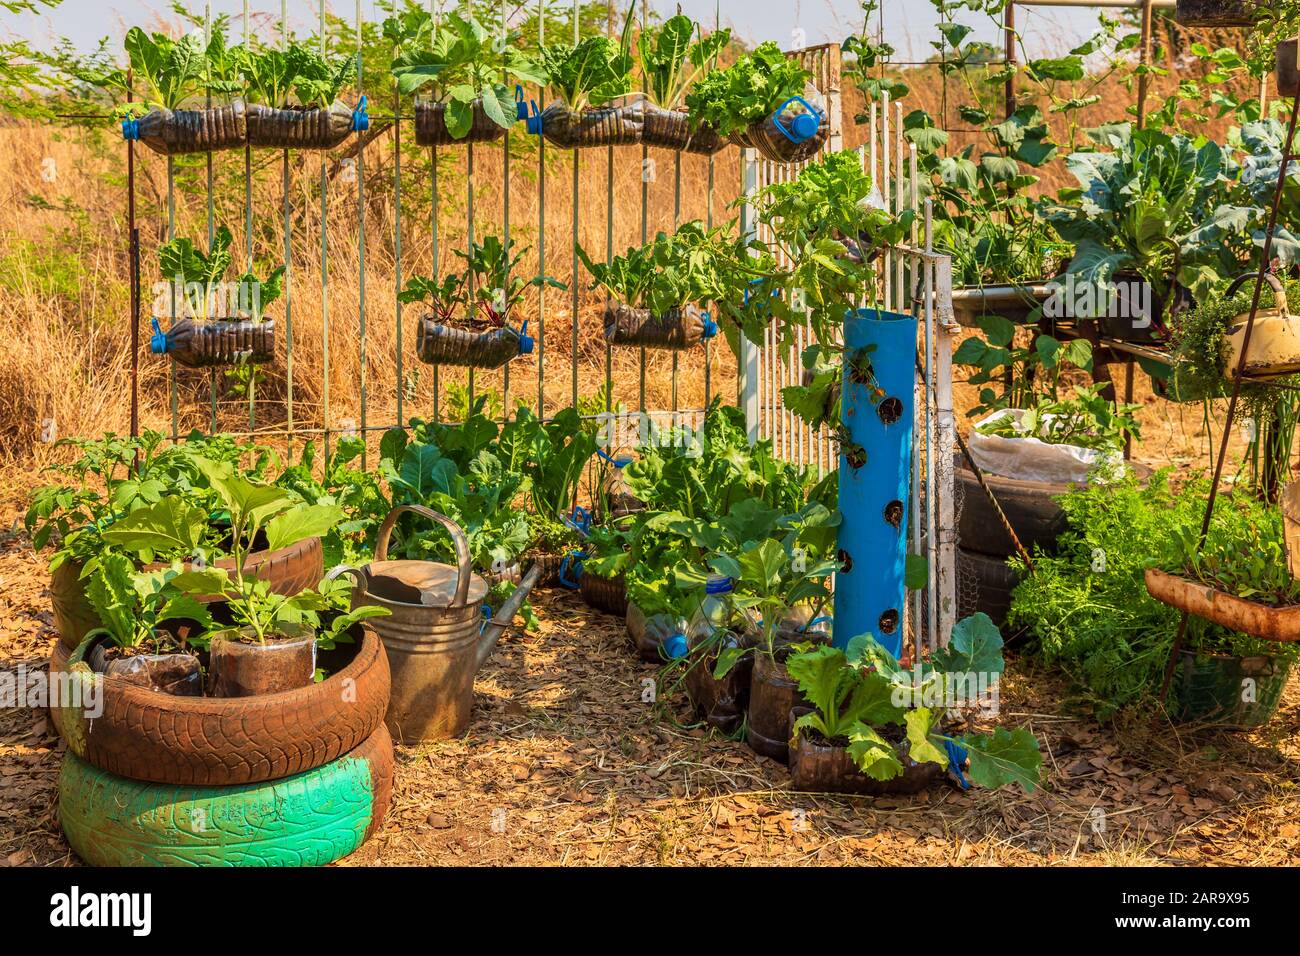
288 570
435 635
478 346
208 343
674 330
819 766
1281 624
177 132
431 126
301 128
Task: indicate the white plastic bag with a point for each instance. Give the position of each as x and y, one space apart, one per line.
1032 459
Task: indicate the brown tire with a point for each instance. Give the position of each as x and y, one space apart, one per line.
1031 507
211 741
984 583
289 570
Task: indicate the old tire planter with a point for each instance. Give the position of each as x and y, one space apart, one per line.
213 741
288 570
985 583
308 819
1030 507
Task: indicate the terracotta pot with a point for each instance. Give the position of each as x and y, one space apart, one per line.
1280 624
240 669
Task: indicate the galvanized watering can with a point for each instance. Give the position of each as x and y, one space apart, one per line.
435 635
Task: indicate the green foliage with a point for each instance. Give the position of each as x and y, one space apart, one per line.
1026 374
492 270
749 90
674 56
1087 420
273 73
459 63
132 604
172 70
551 455
1087 606
886 714
593 72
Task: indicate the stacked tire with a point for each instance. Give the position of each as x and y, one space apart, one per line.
299 778
984 579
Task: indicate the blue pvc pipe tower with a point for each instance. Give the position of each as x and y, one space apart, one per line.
875 476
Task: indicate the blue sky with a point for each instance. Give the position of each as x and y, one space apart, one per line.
909 23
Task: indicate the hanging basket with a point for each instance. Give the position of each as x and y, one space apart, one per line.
299 128
203 344
431 126
673 129
1281 624
675 330
797 131
176 132
479 346
1229 691
1274 349
1215 13
1287 71
618 125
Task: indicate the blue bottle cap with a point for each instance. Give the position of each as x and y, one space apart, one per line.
718 584
675 646
804 127
525 340
710 327
534 122
521 105
130 129
360 118
158 341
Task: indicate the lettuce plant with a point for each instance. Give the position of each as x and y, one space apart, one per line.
593 72
749 90
675 56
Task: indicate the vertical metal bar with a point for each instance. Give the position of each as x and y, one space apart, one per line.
171 234
324 278
469 240
248 230
505 223
609 257
397 248
212 375
434 217
677 218
541 235
288 263
134 254
708 354
361 258
1144 61
1009 38
747 365
573 355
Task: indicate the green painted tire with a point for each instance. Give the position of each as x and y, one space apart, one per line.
308 819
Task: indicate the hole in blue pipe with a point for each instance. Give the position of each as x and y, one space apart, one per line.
889 622
894 513
846 562
890 410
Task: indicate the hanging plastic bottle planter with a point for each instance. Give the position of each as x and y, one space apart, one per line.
177 132
675 130
431 125
674 330
478 344
303 128
614 498
614 125
796 131
1215 13
199 343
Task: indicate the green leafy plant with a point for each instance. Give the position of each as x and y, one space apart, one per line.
864 700
171 69
444 298
132 605
492 270
1026 374
195 276
318 79
749 90
593 72
459 63
673 57
552 456
1088 420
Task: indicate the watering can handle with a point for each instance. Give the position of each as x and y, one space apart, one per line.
457 536
1279 294
358 576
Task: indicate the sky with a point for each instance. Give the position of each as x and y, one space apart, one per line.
909 24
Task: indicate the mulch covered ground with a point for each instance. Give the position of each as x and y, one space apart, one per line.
566 763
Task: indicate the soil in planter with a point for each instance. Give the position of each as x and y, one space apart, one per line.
176 673
818 765
431 126
673 129
675 330
202 344
176 132
615 125
720 702
471 343
242 669
299 128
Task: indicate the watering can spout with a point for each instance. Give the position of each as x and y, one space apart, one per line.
497 626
